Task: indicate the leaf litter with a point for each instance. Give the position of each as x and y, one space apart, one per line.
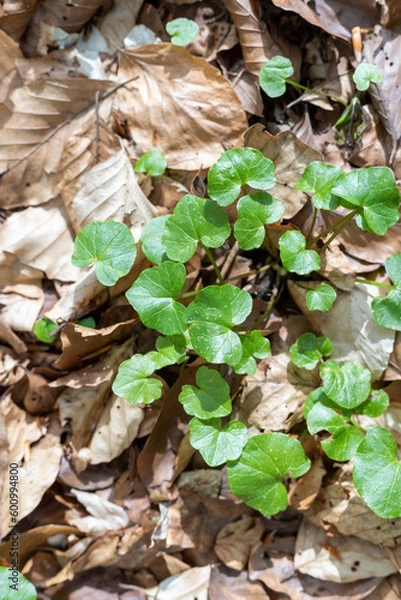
112 497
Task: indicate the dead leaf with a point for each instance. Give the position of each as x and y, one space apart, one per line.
304 491
192 106
192 584
226 584
22 429
205 482
235 540
15 17
104 516
39 398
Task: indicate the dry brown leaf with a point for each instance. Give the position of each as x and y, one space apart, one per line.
256 43
228 585
15 16
39 397
10 54
183 106
303 493
235 540
290 157
338 559
22 429
103 515
205 482
192 584
119 21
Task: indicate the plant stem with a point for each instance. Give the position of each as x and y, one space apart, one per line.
357 425
318 92
337 227
385 286
214 264
248 273
312 227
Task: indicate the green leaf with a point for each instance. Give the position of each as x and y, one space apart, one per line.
345 437
171 350
194 220
319 179
253 345
321 298
393 268
210 399
364 74
236 168
151 239
14 586
217 445
273 76
152 295
152 162
87 322
215 310
110 245
294 256
377 473
43 329
317 395
132 381
387 311
307 351
183 31
348 385
374 190
374 406
254 212
256 476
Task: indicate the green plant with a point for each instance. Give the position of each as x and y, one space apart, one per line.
14 586
213 321
152 162
183 31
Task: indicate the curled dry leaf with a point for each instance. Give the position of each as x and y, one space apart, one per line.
104 516
15 17
235 540
181 102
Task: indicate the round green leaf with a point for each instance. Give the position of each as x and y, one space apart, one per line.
183 31
375 406
317 395
348 385
87 322
170 350
14 586
377 473
307 351
217 445
321 298
215 310
319 179
43 329
254 212
387 311
253 345
273 76
211 397
152 295
236 168
393 268
294 256
374 190
194 220
152 162
151 239
256 476
345 438
364 74
110 245
132 381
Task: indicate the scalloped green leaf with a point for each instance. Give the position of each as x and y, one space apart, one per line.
217 445
375 405
364 74
321 298
348 385
14 586
345 437
254 212
171 350
307 351
152 295
318 395
210 398
43 329
256 476
375 191
133 381
253 345
377 473
194 220
319 179
273 76
152 162
183 31
294 256
108 244
236 168
211 316
151 239
387 311
393 268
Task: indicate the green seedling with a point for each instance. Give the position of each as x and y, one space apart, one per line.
365 74
308 350
321 298
152 162
183 31
217 445
43 330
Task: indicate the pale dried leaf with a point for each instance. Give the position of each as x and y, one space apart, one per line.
105 515
305 490
338 559
226 584
181 102
189 585
235 540
290 157
205 482
22 429
10 54
256 42
119 21
351 327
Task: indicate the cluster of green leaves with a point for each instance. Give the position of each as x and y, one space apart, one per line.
211 322
346 394
387 310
